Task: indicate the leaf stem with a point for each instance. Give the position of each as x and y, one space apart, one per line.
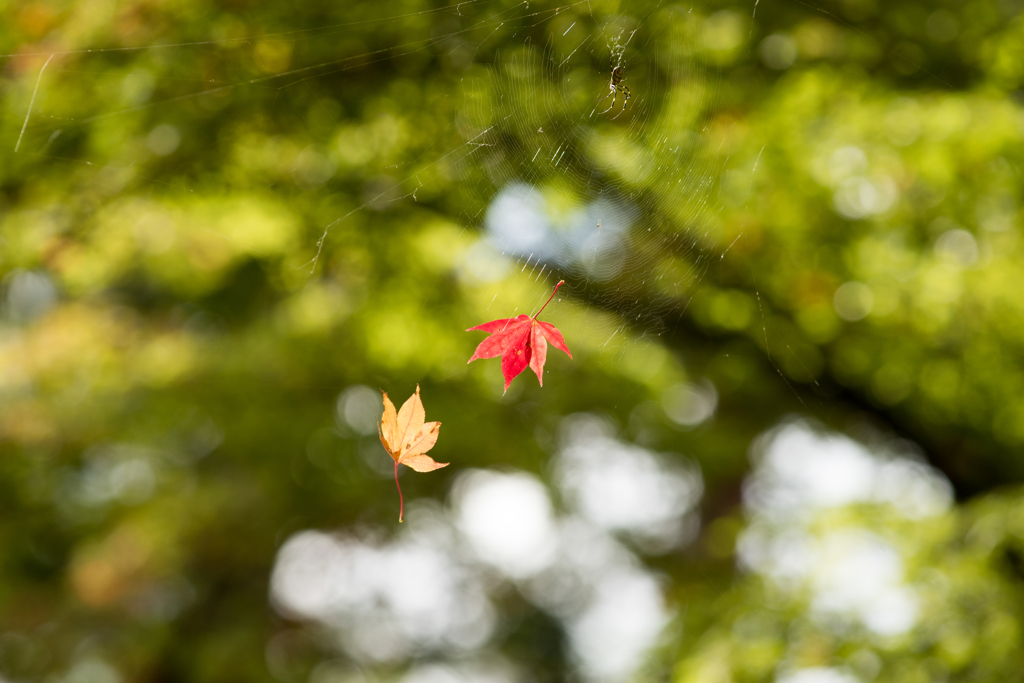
401 501
560 283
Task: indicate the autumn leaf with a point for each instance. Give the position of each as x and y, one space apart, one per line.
521 341
407 438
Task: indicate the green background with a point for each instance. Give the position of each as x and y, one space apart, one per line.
838 239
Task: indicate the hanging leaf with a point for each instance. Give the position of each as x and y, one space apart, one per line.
521 341
407 438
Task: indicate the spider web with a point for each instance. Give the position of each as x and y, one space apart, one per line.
612 195
615 197
552 177
551 174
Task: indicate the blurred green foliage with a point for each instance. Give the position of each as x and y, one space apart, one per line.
965 567
838 238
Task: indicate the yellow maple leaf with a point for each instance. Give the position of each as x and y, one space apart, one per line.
407 438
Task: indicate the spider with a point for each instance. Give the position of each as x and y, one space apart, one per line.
615 87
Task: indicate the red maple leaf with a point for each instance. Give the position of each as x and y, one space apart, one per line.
520 341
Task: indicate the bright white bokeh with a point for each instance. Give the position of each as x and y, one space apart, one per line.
610 603
818 674
786 555
520 223
507 519
385 601
858 573
621 487
849 573
620 624
585 554
798 471
517 223
915 489
463 672
571 566
428 591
